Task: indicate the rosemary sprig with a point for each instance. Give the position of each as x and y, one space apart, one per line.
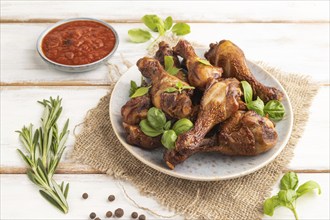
45 147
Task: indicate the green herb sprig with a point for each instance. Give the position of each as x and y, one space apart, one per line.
205 62
45 147
137 91
155 124
179 87
156 24
288 194
169 66
274 108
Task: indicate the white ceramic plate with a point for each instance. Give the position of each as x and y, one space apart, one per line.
201 166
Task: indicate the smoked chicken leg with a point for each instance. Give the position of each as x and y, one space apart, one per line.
199 74
220 101
175 104
231 58
243 134
164 49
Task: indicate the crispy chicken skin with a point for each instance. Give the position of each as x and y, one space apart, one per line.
176 105
136 109
199 74
231 58
164 49
136 137
219 102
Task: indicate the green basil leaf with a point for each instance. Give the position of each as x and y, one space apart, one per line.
168 23
289 181
270 205
148 130
188 87
167 126
171 89
168 139
169 65
275 110
133 88
169 62
156 118
247 90
183 125
205 62
140 92
286 196
161 29
179 85
150 21
308 187
257 106
138 35
173 70
181 29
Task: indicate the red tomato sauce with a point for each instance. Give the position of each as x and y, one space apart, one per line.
78 42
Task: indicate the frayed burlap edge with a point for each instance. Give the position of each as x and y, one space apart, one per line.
229 199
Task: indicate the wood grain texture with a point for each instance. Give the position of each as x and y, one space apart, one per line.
99 187
205 11
280 45
19 107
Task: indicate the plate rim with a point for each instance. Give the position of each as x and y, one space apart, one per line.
217 178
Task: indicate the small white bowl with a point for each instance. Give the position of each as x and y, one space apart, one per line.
75 68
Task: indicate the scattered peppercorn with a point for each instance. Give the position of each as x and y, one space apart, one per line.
142 217
119 212
134 215
92 215
108 214
85 195
111 198
97 218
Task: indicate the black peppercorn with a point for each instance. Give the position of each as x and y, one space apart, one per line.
134 215
108 214
97 218
92 215
111 198
85 195
119 212
142 217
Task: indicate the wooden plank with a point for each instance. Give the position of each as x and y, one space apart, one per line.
32 206
206 11
19 107
280 45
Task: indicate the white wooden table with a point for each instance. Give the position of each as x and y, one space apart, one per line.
293 36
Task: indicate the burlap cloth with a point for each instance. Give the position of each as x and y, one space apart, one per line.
240 198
